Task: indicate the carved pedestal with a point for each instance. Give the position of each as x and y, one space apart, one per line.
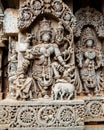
42 115
94 109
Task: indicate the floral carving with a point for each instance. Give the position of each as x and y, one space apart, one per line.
29 12
46 116
89 16
26 116
66 115
25 16
58 7
41 115
95 109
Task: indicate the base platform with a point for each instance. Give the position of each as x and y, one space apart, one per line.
42 115
45 114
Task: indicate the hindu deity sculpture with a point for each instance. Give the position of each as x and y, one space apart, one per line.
46 62
90 61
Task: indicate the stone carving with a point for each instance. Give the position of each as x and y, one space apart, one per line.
92 17
45 70
29 12
63 89
6 114
66 115
90 58
46 116
42 115
47 53
24 89
94 109
12 66
26 116
45 57
48 73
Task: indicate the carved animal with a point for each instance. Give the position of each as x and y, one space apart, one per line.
62 89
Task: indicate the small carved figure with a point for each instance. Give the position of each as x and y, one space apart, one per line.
24 86
63 89
90 60
12 66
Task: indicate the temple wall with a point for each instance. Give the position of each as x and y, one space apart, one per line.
52 64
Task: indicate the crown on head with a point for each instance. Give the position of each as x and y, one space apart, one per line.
87 34
45 25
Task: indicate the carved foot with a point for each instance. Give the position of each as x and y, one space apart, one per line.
46 97
89 95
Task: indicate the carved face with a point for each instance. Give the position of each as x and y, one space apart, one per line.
46 37
21 76
89 43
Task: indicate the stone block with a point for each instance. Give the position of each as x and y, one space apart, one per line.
42 115
94 109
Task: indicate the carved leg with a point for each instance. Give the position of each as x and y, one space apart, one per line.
62 95
52 95
55 95
86 89
96 91
18 94
56 73
30 95
70 95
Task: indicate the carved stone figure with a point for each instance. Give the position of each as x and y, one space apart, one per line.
24 87
55 62
90 59
13 61
47 61
63 89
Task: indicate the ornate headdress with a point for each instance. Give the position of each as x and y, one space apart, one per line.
88 34
45 25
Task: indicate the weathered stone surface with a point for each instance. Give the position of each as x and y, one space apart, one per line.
53 67
92 127
42 114
10 21
94 109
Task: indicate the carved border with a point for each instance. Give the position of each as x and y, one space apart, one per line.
42 114
91 17
29 11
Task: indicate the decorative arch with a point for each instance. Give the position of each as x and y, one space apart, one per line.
29 11
92 17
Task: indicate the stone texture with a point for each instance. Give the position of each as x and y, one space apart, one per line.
54 66
10 21
43 114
